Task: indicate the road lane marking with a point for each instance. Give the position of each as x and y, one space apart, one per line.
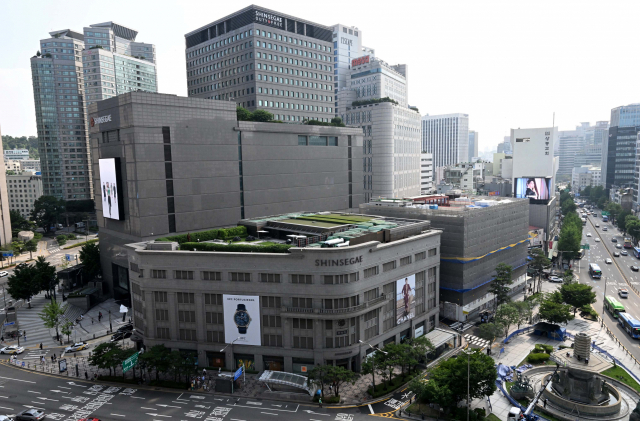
63 387
370 409
18 380
136 397
4 407
182 403
143 407
118 415
268 413
31 391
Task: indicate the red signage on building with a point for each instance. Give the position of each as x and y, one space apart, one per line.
359 61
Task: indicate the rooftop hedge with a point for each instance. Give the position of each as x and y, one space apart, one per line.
216 234
236 248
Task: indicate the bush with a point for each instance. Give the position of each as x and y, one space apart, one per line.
373 101
323 123
540 348
588 311
327 399
537 358
71 237
216 234
237 248
81 244
385 387
62 239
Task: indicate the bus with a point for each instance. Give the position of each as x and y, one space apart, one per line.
628 243
631 325
636 252
594 271
605 218
614 306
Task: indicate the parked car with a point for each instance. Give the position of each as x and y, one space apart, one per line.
624 253
608 261
118 336
30 415
79 346
634 268
12 350
623 292
555 279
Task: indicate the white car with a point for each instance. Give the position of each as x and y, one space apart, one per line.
555 279
588 234
13 349
3 273
608 261
77 347
623 293
597 239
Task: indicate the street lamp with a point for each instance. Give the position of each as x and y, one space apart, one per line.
468 352
373 361
231 344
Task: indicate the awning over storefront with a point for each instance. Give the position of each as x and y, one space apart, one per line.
439 337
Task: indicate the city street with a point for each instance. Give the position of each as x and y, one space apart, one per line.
71 399
614 275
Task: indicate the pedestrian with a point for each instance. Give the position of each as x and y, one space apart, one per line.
91 319
545 403
204 372
2 339
99 316
24 333
86 375
320 402
40 346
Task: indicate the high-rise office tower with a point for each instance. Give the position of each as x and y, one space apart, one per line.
262 59
375 97
571 143
473 144
619 153
58 90
505 147
115 63
5 219
446 136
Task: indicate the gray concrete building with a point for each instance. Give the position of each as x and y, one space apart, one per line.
293 309
59 96
473 144
263 59
187 164
446 136
5 219
474 241
23 189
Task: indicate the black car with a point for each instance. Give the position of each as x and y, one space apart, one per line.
634 268
118 336
29 415
125 328
614 240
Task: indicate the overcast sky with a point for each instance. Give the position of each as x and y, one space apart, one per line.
507 64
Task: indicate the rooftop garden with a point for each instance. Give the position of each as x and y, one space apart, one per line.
373 101
266 247
215 234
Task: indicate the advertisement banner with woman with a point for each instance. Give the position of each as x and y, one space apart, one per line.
536 189
405 299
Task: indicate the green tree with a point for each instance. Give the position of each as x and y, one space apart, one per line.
490 332
61 239
567 276
577 295
44 274
622 219
369 367
448 381
614 210
52 316
586 192
21 284
420 347
103 355
500 285
262 115
506 315
336 121
157 358
243 114
18 222
539 263
525 311
47 211
633 227
90 258
553 310
570 240
31 246
66 329
602 203
339 376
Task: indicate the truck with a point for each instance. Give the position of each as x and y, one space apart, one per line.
79 225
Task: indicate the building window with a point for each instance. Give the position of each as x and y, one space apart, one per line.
371 324
214 318
301 302
162 333
215 337
187 316
186 298
158 274
303 342
162 315
302 140
333 141
212 276
160 296
184 274
271 302
421 256
433 252
272 340
372 294
302 324
271 321
188 335
405 261
386 267
301 279
341 279
372 271
239 277
270 277
213 299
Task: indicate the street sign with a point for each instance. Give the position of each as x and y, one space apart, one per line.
10 323
605 213
7 253
68 256
586 246
129 363
238 373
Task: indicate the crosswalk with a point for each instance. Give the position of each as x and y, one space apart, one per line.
35 354
53 250
476 342
30 321
461 326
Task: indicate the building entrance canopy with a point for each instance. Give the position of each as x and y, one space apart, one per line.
289 380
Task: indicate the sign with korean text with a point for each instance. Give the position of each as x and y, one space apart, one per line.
130 362
359 61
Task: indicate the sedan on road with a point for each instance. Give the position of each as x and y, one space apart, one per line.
605 229
624 253
79 346
118 336
125 328
635 268
608 261
555 279
597 225
29 415
614 240
13 349
618 246
3 274
623 293
597 239
588 234
86 419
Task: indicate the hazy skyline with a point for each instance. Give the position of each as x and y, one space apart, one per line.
506 64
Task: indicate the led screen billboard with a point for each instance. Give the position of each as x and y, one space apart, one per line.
111 188
536 189
405 299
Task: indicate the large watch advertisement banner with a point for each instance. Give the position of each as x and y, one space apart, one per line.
405 299
242 319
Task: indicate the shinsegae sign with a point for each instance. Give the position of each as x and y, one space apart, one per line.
100 120
269 19
339 262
